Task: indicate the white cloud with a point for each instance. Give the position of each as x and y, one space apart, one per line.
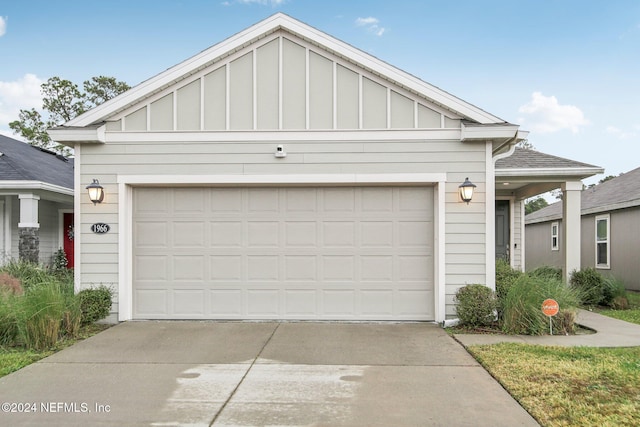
545 114
619 133
23 93
371 24
3 25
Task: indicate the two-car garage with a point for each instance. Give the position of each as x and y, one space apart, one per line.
335 252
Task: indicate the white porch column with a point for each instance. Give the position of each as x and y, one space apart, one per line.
571 220
28 228
28 211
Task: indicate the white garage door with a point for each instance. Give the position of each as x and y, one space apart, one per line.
359 253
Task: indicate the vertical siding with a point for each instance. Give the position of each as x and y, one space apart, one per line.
624 230
241 93
294 109
161 116
348 95
215 95
268 86
188 108
374 105
136 121
588 241
320 92
283 83
402 111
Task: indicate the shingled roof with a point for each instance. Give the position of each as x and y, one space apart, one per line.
531 159
618 193
22 162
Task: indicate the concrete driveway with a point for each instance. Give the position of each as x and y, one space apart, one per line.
260 374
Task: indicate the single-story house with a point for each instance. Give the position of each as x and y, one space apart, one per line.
610 227
285 174
36 203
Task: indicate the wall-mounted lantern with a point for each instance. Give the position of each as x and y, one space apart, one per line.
466 190
96 192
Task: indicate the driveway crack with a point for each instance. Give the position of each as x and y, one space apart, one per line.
224 405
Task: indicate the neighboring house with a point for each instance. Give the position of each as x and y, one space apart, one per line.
610 228
36 203
284 174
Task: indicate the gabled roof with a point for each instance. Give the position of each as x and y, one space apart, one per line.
274 23
22 162
618 193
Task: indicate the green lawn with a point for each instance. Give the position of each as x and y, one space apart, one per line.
13 359
632 315
568 386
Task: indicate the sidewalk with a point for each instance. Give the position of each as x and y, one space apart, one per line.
609 333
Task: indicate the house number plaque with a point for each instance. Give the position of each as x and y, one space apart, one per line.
100 228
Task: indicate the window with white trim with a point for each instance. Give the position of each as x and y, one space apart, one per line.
554 236
603 250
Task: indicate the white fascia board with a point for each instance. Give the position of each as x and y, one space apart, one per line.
269 25
20 186
484 133
278 135
77 134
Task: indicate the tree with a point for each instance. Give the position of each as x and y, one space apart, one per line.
533 205
526 145
62 101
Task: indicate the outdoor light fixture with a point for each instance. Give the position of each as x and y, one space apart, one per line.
466 190
96 192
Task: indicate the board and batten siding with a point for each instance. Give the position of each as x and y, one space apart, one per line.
283 83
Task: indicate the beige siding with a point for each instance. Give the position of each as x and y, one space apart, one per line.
114 126
293 85
320 92
136 121
402 111
374 105
188 107
465 232
215 96
241 93
162 114
427 118
348 94
283 82
268 86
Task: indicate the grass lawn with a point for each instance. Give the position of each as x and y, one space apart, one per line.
568 386
12 359
632 315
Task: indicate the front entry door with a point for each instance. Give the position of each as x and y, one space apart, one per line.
502 229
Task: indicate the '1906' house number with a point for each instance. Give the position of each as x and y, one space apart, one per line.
100 228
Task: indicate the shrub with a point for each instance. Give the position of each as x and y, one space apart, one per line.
505 278
10 285
591 286
8 320
547 271
60 261
523 306
476 305
615 294
29 274
43 311
95 303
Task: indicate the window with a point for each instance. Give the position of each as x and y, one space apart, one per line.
554 236
602 242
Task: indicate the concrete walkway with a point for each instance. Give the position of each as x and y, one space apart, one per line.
609 333
259 374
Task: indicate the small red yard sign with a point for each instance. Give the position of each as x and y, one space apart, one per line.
550 307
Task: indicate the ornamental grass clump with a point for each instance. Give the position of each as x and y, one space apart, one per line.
522 306
476 305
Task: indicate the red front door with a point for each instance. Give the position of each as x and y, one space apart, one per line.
68 237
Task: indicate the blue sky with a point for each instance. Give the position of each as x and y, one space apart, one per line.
566 70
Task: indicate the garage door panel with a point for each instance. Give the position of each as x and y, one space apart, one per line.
284 253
